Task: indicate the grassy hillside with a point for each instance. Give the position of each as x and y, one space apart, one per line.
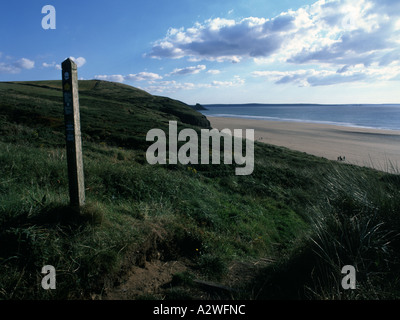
112 113
290 226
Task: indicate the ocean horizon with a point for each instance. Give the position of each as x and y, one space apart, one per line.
374 116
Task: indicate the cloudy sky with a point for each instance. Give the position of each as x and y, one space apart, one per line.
214 51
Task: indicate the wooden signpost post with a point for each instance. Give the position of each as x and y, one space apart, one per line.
73 133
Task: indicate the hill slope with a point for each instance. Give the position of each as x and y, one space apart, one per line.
282 232
110 112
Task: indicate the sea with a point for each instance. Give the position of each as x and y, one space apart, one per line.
377 116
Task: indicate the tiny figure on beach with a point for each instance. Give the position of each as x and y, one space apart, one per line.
340 158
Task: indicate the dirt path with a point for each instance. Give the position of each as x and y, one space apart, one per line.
153 281
146 281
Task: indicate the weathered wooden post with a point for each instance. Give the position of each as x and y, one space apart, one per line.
73 133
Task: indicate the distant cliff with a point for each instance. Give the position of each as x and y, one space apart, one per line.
198 107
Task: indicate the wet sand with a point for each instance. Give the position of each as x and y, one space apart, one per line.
375 148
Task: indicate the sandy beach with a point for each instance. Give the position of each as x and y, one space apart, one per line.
375 148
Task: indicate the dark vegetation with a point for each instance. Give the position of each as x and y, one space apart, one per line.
310 216
198 107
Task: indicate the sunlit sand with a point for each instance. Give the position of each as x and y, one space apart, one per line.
375 148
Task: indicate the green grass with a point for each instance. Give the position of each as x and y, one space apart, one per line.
354 221
312 216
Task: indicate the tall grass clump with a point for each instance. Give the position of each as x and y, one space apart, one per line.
357 224
353 221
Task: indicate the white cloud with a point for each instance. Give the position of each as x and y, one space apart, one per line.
24 64
142 76
237 81
79 61
311 77
174 86
323 77
113 78
14 67
170 86
214 71
6 68
296 76
188 70
51 65
48 65
327 36
219 40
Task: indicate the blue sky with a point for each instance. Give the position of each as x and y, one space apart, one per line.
214 51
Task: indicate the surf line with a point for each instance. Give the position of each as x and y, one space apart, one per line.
189 152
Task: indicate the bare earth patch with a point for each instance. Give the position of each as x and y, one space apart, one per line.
147 280
153 280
